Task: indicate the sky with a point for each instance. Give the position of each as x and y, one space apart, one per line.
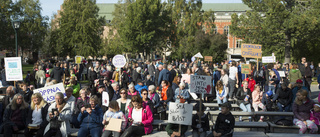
50 7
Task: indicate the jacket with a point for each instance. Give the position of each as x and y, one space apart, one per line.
139 88
125 80
136 76
302 69
127 105
57 74
27 96
241 96
76 89
64 117
225 124
170 128
308 74
151 70
155 98
315 116
184 93
40 74
164 75
256 97
150 104
8 114
44 112
204 122
156 77
302 112
81 103
170 95
92 120
284 97
92 75
147 119
294 74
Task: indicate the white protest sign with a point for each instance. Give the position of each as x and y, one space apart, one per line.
180 113
282 74
48 93
13 69
119 61
105 99
269 59
200 84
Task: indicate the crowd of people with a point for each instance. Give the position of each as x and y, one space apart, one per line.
141 92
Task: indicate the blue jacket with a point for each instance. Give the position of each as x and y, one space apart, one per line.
278 75
93 120
139 88
163 75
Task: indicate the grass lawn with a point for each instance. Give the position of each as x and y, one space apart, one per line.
25 69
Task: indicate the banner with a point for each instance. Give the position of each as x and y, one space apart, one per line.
78 59
180 113
251 50
207 58
48 93
200 84
269 59
245 68
13 69
105 99
119 61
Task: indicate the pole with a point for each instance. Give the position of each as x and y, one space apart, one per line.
245 75
16 42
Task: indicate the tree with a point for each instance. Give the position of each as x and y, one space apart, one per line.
79 30
273 23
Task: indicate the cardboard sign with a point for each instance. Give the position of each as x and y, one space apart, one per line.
180 113
193 59
200 84
207 58
48 93
251 50
119 61
78 59
245 68
282 74
269 59
105 99
114 124
13 69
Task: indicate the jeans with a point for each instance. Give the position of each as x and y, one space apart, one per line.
286 108
8 130
272 88
196 134
232 86
303 127
224 100
107 133
52 132
29 132
133 131
94 132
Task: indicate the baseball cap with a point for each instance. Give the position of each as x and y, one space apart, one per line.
226 104
197 106
299 81
269 93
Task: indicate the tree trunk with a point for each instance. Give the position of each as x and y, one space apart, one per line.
287 56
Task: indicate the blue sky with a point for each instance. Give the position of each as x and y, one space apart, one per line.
50 7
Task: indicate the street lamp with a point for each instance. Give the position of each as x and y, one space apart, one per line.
16 26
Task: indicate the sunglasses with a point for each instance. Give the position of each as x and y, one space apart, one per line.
145 94
122 93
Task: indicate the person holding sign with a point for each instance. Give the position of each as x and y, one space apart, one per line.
36 119
225 122
90 119
200 130
181 94
113 112
140 118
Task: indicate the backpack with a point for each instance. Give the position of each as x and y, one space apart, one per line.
260 74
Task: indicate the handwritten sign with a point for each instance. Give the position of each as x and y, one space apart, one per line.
105 99
207 58
245 68
200 84
282 74
13 69
180 113
251 50
119 61
269 59
78 59
48 93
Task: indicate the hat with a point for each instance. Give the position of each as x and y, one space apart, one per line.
299 81
101 86
226 104
197 107
269 93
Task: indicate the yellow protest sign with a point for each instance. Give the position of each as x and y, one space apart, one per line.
78 59
245 68
251 50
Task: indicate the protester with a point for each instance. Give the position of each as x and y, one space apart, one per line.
57 73
181 94
140 86
221 93
81 101
132 91
113 112
7 99
315 114
37 115
90 119
200 127
173 130
225 122
175 83
92 75
26 92
284 98
59 114
308 75
244 96
296 88
146 100
272 82
75 86
140 118
257 95
166 93
294 74
14 117
40 77
233 79
301 111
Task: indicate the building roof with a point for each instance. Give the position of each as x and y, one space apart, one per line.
106 9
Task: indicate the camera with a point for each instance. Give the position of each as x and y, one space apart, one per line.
53 110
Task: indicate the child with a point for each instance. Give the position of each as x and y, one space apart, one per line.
256 100
272 82
225 122
221 93
200 130
315 114
268 100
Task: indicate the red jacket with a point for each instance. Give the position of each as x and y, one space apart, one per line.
147 118
251 84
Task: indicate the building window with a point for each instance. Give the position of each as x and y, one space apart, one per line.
215 30
226 30
239 42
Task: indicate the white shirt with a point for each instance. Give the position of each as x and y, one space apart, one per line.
137 115
36 116
233 72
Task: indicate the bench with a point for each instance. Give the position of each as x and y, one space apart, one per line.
234 113
275 126
216 105
189 134
291 135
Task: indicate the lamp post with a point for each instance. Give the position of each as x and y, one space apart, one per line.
16 26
